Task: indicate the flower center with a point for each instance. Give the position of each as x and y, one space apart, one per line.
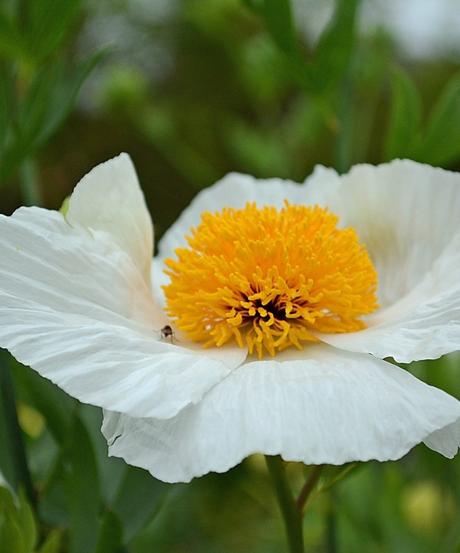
269 278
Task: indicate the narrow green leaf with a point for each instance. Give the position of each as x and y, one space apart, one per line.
280 25
440 144
52 543
65 94
140 496
258 151
255 5
11 538
49 100
54 404
6 501
405 116
110 538
49 23
335 46
82 490
13 436
27 524
4 102
11 40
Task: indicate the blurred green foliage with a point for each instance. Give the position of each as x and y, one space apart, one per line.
236 86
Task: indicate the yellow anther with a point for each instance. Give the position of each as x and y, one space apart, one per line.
270 278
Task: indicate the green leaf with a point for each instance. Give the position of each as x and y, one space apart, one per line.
440 144
52 543
5 87
6 501
49 22
280 25
65 94
140 496
82 490
11 40
335 46
47 103
260 152
15 459
11 535
11 539
55 405
26 523
110 538
405 116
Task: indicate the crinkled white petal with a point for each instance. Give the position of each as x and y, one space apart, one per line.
408 216
110 199
406 213
235 190
159 279
424 324
74 307
334 407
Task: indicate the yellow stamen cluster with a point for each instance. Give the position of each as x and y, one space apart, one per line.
269 278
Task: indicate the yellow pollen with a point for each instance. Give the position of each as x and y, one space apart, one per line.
269 278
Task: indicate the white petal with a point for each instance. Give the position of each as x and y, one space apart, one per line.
109 198
159 278
407 214
234 190
332 408
424 324
75 308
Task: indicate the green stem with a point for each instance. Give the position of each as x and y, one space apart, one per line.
291 515
308 487
14 433
30 189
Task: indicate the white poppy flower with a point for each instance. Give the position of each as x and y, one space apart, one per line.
77 305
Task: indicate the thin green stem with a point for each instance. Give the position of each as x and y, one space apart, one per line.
30 189
308 487
291 515
14 433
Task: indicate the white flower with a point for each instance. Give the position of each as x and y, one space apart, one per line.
77 305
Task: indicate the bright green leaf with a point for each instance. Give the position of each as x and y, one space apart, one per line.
11 534
26 523
52 543
11 538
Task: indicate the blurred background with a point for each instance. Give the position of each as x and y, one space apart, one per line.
193 89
